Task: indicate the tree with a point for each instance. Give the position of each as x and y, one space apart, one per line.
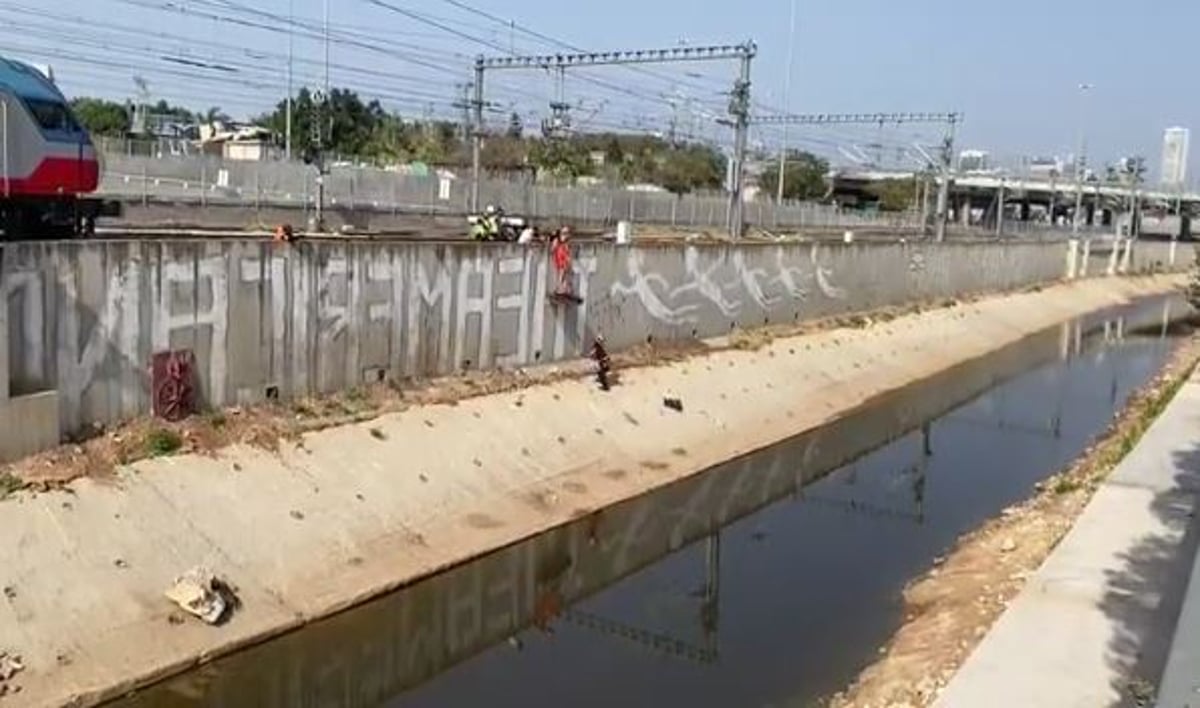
895 194
515 127
688 168
100 117
214 115
561 157
613 154
804 179
178 113
348 124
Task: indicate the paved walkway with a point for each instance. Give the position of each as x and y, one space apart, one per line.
1093 625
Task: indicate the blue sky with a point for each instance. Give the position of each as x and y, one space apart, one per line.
1012 67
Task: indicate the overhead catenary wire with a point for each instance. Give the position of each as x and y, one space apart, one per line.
111 47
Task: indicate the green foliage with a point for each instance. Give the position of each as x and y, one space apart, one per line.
515 127
1192 292
352 128
562 158
214 115
805 178
689 168
9 484
178 113
162 441
895 194
614 154
505 152
101 117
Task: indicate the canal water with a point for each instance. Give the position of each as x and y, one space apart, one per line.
771 580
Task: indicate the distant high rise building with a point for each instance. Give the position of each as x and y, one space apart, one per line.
1175 156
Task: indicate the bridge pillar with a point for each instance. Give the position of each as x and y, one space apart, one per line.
1090 212
1185 226
1025 210
964 211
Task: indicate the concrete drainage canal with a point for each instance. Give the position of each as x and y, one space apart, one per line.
770 580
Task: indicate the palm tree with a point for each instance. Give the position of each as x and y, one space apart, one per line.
215 115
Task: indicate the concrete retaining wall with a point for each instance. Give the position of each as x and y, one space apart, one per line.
83 319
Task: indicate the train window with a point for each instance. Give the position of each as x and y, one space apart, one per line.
52 115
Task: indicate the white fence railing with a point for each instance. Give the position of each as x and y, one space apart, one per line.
202 180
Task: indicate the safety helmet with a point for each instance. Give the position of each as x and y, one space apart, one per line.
490 210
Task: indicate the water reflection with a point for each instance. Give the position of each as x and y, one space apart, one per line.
768 580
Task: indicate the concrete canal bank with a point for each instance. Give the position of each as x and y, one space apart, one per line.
358 511
85 319
768 580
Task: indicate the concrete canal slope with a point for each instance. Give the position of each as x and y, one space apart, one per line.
358 511
1092 626
85 320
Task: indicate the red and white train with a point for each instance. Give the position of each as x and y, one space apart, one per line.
48 164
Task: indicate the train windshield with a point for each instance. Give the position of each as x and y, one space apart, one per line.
52 115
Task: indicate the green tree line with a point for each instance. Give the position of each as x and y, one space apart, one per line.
364 131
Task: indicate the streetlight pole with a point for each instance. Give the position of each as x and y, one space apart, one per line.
787 91
1080 160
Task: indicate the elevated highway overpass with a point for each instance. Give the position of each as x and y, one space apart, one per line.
985 199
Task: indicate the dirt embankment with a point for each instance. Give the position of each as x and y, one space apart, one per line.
951 608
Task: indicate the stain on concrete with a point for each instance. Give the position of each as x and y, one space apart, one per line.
483 521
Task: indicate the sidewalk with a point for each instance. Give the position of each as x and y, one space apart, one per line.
1093 625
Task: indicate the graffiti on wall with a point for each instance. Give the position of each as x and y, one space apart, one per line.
85 318
728 288
320 318
87 324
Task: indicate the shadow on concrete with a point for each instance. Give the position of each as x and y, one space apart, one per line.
1144 596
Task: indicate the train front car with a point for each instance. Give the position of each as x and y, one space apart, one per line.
47 161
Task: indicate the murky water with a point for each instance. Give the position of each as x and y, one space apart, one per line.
748 585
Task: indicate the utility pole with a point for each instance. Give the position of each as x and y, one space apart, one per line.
291 55
477 135
322 125
327 87
1139 173
560 62
787 91
1080 162
950 120
739 109
1000 209
317 140
464 103
943 199
943 191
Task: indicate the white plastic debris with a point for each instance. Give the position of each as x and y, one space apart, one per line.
199 592
10 666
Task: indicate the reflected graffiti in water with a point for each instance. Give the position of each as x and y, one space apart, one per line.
663 574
